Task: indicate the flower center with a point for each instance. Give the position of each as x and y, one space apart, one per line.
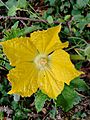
41 61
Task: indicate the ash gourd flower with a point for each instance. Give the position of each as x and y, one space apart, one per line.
40 62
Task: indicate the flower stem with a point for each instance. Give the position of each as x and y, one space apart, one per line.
4 4
77 57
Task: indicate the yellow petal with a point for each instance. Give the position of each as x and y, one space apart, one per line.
19 49
62 66
58 46
49 84
24 79
46 39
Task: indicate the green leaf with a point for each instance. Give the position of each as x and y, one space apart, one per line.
53 113
87 52
78 65
52 2
22 4
12 34
12 11
81 21
17 32
50 10
11 3
67 17
79 84
14 105
50 19
82 24
82 3
78 17
30 29
1 115
40 99
75 12
15 25
88 17
68 98
8 66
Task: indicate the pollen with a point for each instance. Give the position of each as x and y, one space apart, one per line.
41 61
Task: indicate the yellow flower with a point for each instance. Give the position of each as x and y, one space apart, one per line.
40 62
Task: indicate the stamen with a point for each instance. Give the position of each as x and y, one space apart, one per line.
41 61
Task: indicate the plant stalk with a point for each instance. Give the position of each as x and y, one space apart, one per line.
77 57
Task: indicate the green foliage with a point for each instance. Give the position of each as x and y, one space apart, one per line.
79 85
1 115
52 2
87 52
79 6
15 26
4 63
21 113
53 113
50 19
68 98
79 115
11 3
17 32
40 99
82 3
67 17
4 88
22 4
81 21
14 5
12 11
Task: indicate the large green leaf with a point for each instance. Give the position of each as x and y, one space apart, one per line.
82 3
11 3
22 4
79 84
12 11
40 99
68 98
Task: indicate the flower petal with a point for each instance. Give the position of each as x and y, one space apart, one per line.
58 46
19 49
49 84
46 39
24 79
62 66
